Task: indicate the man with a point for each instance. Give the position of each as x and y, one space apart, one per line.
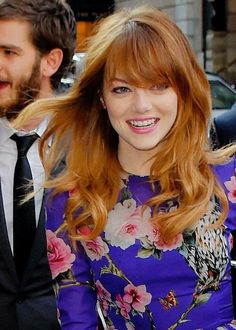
223 129
37 42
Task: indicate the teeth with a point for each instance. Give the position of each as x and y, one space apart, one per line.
142 123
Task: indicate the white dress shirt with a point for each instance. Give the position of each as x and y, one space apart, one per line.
8 158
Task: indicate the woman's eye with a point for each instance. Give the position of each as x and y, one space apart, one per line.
159 87
120 90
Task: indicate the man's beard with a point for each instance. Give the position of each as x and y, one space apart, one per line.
27 91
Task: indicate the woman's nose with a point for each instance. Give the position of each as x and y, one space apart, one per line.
142 102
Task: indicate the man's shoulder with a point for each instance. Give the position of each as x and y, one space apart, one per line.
223 129
226 119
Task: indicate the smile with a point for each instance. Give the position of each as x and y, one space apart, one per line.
143 123
3 84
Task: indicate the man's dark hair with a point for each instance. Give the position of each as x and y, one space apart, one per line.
52 24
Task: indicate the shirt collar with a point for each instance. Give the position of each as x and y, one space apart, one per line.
6 130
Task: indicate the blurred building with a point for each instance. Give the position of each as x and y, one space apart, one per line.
210 26
219 37
86 12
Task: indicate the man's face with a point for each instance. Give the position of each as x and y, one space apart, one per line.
20 63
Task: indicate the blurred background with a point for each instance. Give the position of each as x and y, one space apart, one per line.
210 26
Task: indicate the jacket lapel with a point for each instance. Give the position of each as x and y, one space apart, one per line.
4 241
39 245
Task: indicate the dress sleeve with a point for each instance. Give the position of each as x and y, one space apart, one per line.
70 268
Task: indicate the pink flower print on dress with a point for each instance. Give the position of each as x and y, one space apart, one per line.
59 254
104 297
137 297
155 237
129 326
231 186
123 306
84 230
73 192
231 241
95 248
125 224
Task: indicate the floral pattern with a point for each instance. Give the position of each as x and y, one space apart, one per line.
137 276
95 248
126 223
59 254
231 186
137 297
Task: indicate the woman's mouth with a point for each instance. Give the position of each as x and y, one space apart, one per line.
143 126
147 123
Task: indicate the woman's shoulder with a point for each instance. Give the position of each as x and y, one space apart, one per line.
56 200
55 208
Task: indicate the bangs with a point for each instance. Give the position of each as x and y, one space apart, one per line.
140 55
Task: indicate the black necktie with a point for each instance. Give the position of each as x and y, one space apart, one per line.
24 224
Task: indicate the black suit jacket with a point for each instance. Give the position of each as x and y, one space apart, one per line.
29 304
223 130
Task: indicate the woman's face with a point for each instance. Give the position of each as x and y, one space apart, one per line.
142 117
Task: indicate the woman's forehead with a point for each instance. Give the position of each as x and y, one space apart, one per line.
135 76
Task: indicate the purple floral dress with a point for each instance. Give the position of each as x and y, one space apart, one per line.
137 280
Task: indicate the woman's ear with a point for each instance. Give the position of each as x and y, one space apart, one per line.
103 102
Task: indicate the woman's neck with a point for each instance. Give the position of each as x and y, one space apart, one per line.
133 161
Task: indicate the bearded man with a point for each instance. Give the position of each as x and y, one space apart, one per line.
37 43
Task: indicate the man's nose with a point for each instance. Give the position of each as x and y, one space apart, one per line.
1 62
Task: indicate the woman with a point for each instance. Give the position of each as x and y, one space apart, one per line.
139 221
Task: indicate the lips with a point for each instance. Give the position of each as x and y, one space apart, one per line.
143 124
3 84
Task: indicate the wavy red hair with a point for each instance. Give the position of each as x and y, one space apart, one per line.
146 47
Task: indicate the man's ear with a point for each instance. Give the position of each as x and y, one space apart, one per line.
51 62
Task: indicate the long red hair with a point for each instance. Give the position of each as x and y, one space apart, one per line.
146 47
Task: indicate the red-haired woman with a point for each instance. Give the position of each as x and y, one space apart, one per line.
139 220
